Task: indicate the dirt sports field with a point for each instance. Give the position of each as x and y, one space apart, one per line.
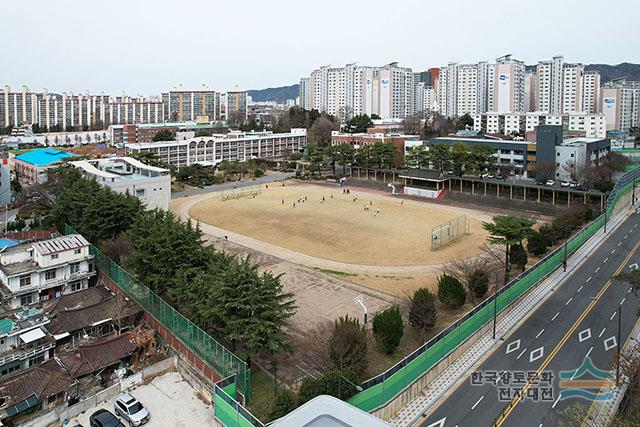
339 228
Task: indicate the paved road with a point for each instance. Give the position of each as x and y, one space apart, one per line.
277 176
578 320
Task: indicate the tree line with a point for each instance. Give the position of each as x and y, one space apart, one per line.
458 157
223 294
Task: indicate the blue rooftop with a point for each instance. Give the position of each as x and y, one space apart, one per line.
8 243
43 156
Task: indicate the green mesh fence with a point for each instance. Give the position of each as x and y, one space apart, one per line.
214 354
386 386
227 410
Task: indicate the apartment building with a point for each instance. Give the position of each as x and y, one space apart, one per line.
186 105
478 88
235 146
304 96
35 272
592 125
621 104
591 92
344 92
150 184
31 167
549 76
236 109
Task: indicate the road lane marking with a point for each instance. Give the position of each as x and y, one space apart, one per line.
540 333
605 260
626 235
623 300
568 301
584 335
597 269
588 352
515 344
557 400
520 355
629 291
588 279
580 288
439 423
476 404
613 315
554 317
536 354
516 401
603 329
613 251
619 244
610 343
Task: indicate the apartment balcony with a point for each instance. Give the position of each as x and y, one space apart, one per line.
22 354
54 282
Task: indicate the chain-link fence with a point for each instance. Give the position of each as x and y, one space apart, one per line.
448 231
214 354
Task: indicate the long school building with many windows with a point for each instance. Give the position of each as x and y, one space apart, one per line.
235 146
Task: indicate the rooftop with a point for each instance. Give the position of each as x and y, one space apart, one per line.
119 168
22 320
59 244
43 156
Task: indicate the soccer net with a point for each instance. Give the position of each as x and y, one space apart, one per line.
239 193
449 231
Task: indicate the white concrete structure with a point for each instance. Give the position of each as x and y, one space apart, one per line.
578 153
304 96
591 92
35 272
593 125
234 146
549 85
505 86
150 184
572 85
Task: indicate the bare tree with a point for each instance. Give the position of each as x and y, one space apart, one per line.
577 173
315 343
412 124
321 129
545 171
472 271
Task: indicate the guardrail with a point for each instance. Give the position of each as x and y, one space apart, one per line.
381 389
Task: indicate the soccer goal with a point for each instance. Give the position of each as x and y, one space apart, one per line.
240 193
449 231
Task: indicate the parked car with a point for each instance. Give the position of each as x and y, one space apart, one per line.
550 183
131 410
104 418
565 184
573 185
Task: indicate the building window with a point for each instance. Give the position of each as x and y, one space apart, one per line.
77 251
54 256
25 280
50 274
140 193
75 286
26 299
74 267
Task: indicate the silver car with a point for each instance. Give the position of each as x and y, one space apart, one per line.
130 409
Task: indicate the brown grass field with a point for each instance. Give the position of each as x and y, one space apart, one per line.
339 229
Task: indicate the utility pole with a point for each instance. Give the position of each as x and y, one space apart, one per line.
605 220
633 190
564 262
495 305
619 345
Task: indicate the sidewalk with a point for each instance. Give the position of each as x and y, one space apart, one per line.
448 380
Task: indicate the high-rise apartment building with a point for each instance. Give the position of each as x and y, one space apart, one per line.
530 85
186 105
304 99
505 86
236 108
563 88
621 104
344 92
591 92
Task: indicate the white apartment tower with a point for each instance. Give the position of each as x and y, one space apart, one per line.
591 92
549 81
305 100
572 85
506 86
621 104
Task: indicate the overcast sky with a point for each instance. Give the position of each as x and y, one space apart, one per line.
144 47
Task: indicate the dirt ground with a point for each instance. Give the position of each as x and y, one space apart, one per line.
339 229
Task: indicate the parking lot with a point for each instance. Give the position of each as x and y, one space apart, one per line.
171 402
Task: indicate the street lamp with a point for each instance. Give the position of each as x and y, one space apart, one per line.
342 377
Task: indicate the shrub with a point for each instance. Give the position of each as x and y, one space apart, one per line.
258 173
537 243
451 291
479 282
388 328
332 383
348 345
518 256
604 186
284 402
422 310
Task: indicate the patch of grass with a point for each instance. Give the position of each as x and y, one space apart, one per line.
334 272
